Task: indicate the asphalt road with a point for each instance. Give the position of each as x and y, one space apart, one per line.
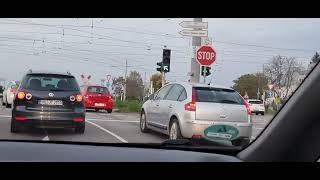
101 127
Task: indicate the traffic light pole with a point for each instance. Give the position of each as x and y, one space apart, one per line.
195 67
163 79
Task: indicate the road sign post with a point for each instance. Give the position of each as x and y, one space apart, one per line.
194 33
194 24
206 41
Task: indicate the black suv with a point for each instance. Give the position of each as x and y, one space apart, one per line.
48 100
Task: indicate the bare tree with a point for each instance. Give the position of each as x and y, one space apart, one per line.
117 85
135 86
282 72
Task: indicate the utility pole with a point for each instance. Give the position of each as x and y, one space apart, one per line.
125 82
195 67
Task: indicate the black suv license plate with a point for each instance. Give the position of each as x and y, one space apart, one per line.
51 102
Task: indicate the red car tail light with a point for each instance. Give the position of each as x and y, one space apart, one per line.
20 118
78 119
247 106
191 106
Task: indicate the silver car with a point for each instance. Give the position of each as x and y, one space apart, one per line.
198 111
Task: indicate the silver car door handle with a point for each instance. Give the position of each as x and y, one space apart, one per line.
223 116
170 106
157 104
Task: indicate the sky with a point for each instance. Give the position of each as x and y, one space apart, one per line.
101 46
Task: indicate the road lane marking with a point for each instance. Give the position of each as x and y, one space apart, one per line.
109 132
5 116
46 138
257 128
111 120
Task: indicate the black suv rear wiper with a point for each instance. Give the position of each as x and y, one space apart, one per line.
57 89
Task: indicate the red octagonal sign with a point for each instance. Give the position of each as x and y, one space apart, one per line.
205 55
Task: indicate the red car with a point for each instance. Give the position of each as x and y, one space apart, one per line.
97 98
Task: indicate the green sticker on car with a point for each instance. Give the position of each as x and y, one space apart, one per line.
221 132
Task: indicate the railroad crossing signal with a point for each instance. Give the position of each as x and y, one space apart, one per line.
205 70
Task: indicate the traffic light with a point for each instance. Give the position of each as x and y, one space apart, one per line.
205 70
166 60
159 68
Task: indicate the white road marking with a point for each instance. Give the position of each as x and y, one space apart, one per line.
112 120
5 116
46 138
257 128
109 132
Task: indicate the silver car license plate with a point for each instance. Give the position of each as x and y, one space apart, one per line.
51 102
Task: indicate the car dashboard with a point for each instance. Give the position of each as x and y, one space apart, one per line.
50 152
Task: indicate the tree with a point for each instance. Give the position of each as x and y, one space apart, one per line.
282 72
156 81
117 84
315 58
249 83
134 86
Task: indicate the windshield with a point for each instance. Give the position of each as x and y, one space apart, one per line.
49 82
98 89
146 80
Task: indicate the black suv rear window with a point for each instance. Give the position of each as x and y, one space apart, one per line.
49 82
98 89
217 95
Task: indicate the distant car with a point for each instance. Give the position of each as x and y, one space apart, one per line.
9 93
256 106
97 98
48 100
184 110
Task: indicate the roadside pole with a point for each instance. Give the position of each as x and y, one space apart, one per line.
125 83
195 67
162 79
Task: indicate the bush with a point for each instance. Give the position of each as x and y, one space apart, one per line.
129 105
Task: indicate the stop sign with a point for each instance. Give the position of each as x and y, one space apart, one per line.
205 55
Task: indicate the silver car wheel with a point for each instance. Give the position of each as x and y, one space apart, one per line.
173 131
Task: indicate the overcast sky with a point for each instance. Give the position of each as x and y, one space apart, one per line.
98 47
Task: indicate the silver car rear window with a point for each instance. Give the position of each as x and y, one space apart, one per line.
217 95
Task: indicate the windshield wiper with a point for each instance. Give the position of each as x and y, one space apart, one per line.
195 145
57 89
